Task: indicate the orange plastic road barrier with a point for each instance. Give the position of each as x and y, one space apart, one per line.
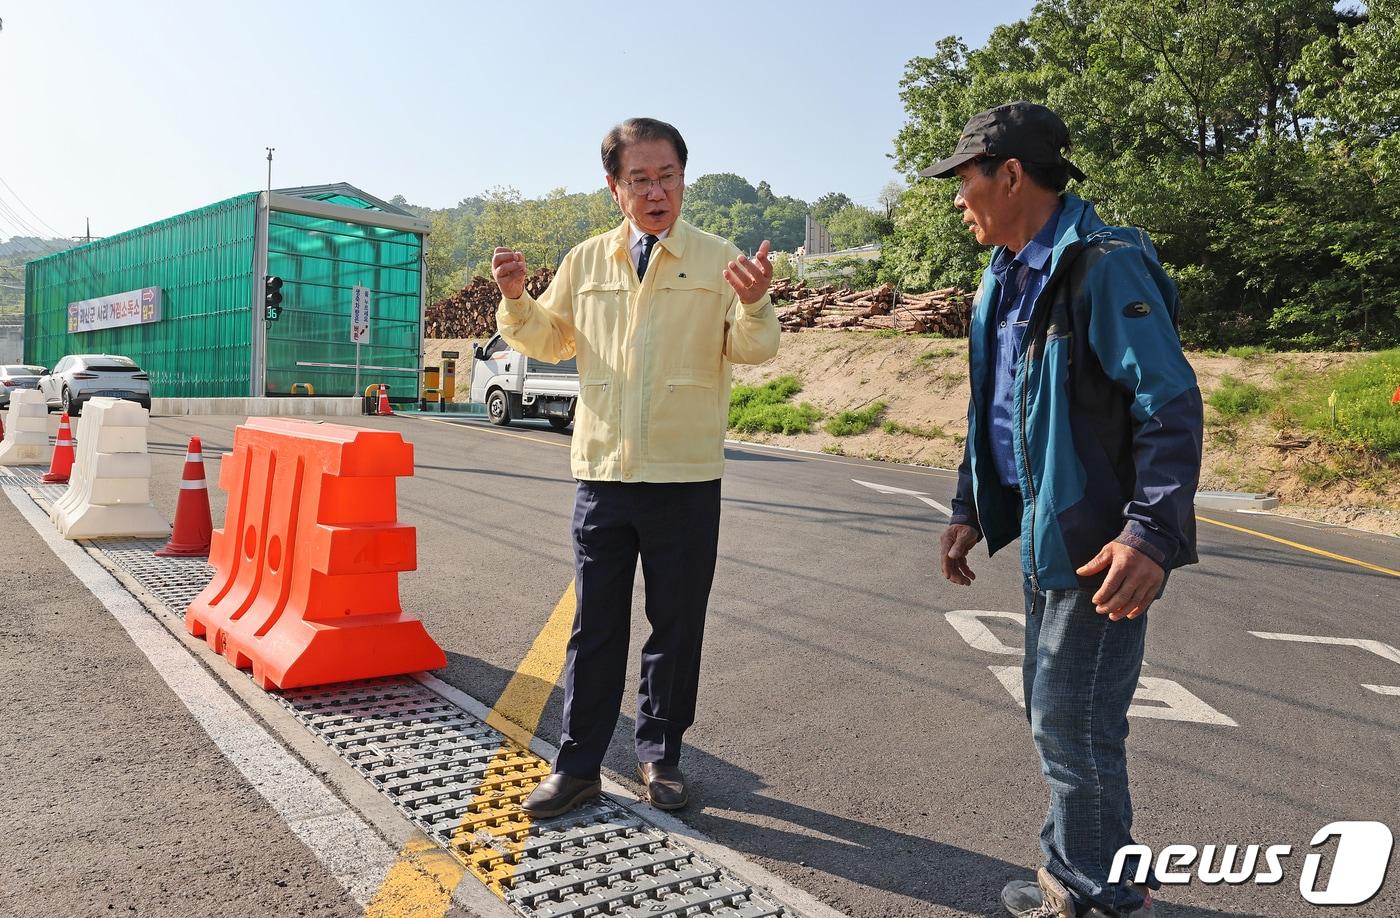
193 523
61 466
306 588
384 400
1394 400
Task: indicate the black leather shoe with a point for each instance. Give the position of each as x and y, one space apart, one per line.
559 793
665 785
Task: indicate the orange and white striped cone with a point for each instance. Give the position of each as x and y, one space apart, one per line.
384 400
194 525
61 467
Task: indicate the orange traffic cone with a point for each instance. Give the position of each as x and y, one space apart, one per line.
384 400
193 523
62 464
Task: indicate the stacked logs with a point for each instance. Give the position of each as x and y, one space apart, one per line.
471 311
947 312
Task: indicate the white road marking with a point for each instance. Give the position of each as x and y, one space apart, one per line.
1166 699
919 495
345 844
1384 651
1379 648
1160 699
968 624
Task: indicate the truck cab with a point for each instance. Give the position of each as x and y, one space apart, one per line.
513 386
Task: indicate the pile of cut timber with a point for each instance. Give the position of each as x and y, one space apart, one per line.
471 311
946 312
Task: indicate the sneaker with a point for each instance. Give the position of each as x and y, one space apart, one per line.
1049 898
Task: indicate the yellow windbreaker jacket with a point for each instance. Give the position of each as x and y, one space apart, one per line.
654 356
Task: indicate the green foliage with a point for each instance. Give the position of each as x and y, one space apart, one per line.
1234 399
766 408
927 433
850 423
1366 419
828 205
855 225
1257 142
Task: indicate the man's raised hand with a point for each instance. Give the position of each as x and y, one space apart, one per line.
508 267
750 277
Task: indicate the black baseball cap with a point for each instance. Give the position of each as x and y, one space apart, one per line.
1018 130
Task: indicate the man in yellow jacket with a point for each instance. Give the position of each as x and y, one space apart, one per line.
656 311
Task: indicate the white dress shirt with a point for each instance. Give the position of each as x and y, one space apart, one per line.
636 236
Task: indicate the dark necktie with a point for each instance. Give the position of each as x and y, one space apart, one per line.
647 242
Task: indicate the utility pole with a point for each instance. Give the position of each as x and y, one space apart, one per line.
269 168
87 236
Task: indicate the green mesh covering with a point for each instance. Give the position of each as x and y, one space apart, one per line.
320 261
202 260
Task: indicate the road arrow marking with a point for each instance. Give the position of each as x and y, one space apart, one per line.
891 489
1379 648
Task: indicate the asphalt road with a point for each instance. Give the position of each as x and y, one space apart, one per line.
854 735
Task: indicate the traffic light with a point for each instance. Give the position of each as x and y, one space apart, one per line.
272 297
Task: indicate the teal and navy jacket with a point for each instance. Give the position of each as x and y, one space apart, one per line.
1106 412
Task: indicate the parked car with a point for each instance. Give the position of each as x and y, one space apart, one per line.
79 377
17 376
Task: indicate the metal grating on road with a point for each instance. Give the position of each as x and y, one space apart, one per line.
462 782
174 581
31 476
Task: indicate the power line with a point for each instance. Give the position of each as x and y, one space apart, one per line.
30 209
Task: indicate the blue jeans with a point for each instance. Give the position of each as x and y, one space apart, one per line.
1080 672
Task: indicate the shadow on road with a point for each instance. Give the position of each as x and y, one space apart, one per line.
802 835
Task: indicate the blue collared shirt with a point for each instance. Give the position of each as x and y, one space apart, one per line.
1020 279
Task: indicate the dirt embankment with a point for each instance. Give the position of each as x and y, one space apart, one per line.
923 382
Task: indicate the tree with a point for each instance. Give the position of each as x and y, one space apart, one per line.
721 189
855 225
826 206
889 198
1238 134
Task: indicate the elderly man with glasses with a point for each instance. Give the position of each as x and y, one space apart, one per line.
656 311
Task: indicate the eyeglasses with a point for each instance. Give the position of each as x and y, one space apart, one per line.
642 186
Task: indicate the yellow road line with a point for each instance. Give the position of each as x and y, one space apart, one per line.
517 712
1317 551
494 829
419 885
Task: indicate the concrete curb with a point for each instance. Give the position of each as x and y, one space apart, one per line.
1234 500
259 407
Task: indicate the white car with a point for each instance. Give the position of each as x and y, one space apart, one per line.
17 376
79 377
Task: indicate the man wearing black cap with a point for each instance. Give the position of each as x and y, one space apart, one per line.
1083 443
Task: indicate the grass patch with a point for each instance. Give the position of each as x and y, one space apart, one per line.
1366 419
1234 399
766 408
928 358
927 433
1246 352
850 423
833 449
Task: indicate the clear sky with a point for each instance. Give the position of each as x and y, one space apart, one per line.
130 112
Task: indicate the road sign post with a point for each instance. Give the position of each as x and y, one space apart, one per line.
359 324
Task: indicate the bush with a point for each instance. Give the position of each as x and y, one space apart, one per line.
850 423
1235 399
765 408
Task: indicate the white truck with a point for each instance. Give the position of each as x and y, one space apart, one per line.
513 386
